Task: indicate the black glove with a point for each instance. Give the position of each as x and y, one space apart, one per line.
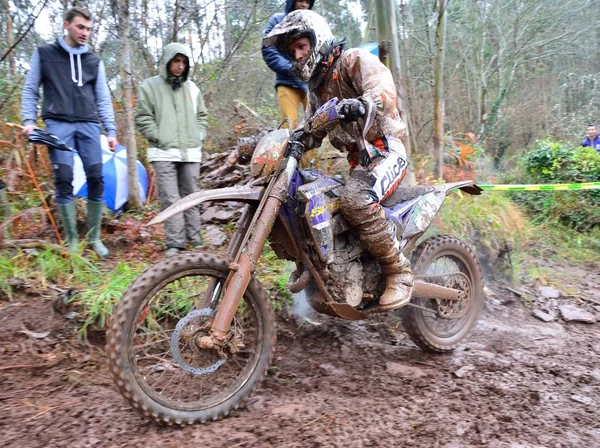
364 158
296 149
350 110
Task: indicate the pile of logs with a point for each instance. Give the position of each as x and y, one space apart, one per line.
220 170
223 170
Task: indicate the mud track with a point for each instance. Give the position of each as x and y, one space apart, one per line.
517 382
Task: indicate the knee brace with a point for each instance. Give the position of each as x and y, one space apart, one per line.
95 183
63 181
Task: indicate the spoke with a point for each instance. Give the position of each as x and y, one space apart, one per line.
157 357
148 344
234 359
162 375
166 337
168 383
178 390
164 371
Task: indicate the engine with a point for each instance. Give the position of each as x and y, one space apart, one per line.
351 270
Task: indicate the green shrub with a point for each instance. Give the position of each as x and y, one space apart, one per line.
491 224
552 162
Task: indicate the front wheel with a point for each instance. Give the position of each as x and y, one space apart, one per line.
151 343
440 325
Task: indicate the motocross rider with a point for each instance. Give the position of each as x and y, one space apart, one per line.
360 81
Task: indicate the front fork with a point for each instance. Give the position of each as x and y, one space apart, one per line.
245 263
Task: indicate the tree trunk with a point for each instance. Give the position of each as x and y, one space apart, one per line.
383 30
175 21
409 90
438 90
227 35
389 54
128 130
396 68
9 38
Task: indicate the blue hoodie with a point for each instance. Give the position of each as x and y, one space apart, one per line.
281 63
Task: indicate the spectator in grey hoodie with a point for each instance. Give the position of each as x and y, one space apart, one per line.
76 99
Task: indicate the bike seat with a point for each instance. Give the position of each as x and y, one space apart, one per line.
403 194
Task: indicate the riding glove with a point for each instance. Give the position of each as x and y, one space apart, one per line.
350 110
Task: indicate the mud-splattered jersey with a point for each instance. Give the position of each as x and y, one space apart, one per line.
357 73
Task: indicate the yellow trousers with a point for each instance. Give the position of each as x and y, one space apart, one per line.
290 100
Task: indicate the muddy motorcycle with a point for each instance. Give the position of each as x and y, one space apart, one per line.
194 334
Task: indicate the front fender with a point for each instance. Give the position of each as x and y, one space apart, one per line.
243 193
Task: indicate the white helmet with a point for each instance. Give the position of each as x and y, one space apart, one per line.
302 23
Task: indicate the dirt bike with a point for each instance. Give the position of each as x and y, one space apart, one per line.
194 334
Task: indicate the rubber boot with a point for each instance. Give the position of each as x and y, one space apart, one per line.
68 216
378 235
94 221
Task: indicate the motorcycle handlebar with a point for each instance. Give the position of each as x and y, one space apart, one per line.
324 118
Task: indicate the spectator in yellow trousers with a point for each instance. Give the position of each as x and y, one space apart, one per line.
291 90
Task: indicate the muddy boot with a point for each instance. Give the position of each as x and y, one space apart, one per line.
68 216
398 282
94 221
378 235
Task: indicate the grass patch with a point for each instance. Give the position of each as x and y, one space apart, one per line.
98 301
97 288
506 239
40 269
492 225
492 215
557 241
274 273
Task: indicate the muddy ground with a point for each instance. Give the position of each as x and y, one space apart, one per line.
517 382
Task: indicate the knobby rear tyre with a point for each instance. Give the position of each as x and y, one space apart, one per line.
419 324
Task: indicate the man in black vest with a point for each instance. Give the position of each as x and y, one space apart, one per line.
76 98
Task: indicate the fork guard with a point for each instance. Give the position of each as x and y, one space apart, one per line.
243 193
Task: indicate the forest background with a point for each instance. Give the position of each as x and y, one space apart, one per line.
514 71
515 82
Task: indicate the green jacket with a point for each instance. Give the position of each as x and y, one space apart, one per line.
173 121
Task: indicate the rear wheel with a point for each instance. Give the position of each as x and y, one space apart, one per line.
440 325
153 356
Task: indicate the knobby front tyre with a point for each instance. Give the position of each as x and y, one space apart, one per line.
182 384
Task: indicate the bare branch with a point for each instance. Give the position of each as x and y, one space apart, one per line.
33 18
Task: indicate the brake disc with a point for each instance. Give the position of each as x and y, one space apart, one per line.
450 309
190 327
454 309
